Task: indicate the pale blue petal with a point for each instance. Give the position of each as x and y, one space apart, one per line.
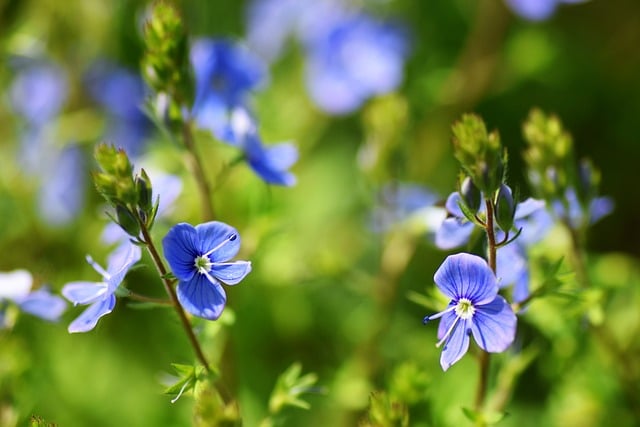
181 248
85 292
511 261
231 273
453 233
15 284
89 318
453 205
466 276
223 237
201 297
494 325
527 207
120 261
456 345
43 304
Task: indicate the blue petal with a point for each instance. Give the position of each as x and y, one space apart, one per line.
600 207
271 163
458 342
494 325
215 234
201 297
511 261
119 263
181 247
231 273
466 276
43 304
89 318
527 207
453 233
533 10
85 292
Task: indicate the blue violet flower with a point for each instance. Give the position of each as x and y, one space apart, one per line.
475 309
199 257
100 295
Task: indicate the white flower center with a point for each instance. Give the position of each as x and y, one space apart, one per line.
465 309
203 264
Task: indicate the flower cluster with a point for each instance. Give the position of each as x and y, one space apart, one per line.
350 55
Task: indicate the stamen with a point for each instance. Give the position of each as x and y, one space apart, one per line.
230 238
448 333
437 315
101 271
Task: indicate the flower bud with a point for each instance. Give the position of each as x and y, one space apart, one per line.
505 208
144 190
127 221
471 195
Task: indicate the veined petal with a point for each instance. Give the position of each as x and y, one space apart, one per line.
89 318
15 284
85 292
201 297
453 233
494 325
43 304
231 273
219 236
181 247
466 276
120 261
456 345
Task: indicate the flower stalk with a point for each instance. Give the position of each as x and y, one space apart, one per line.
168 286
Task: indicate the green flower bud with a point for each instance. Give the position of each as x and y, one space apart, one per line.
115 181
144 190
505 208
127 220
479 152
471 195
165 65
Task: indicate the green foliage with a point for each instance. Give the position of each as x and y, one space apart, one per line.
385 411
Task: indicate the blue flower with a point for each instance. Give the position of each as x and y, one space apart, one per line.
39 91
16 285
225 74
271 163
475 309
399 202
121 93
537 10
357 58
577 216
456 229
199 257
100 296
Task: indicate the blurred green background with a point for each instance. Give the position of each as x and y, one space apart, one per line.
325 290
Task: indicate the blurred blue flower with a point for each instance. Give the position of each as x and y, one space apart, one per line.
357 58
39 91
577 216
100 296
271 163
16 285
537 10
350 56
399 202
199 257
225 74
511 260
475 308
122 94
62 189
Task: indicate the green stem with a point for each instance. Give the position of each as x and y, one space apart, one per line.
143 298
157 260
198 172
483 358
